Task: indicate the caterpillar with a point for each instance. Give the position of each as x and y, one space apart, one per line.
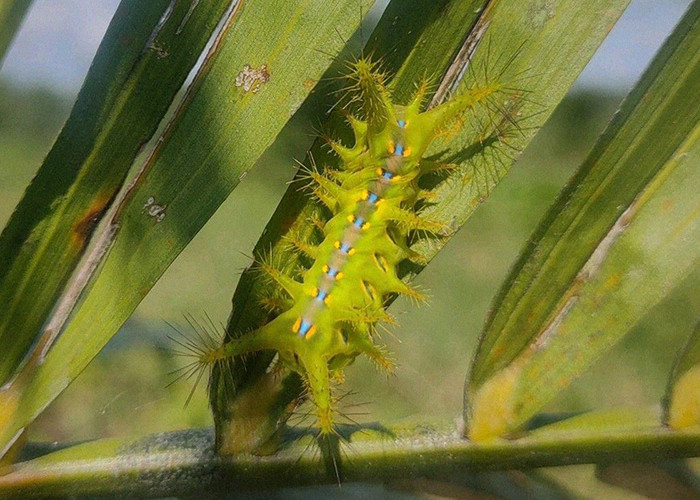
328 317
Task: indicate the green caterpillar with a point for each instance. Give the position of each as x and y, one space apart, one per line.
328 318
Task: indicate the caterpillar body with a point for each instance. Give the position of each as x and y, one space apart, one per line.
328 318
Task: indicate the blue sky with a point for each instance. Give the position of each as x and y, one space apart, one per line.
59 38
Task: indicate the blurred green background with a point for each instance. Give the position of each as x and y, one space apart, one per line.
125 390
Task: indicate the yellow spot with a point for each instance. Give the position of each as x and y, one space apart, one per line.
365 195
337 244
351 251
351 219
407 152
493 408
311 332
339 276
325 269
9 402
612 281
366 225
297 325
684 408
396 178
314 292
380 172
391 147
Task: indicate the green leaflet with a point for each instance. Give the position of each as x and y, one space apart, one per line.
139 66
621 236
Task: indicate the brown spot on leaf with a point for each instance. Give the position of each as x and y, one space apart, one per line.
84 227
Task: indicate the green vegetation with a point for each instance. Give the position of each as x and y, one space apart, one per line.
124 391
121 377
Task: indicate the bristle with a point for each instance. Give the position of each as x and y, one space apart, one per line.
267 268
435 120
427 167
411 221
328 189
276 304
298 244
196 347
369 85
359 129
418 98
347 155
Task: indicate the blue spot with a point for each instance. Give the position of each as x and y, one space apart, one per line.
358 222
345 248
387 174
401 123
304 327
332 272
321 295
372 198
398 151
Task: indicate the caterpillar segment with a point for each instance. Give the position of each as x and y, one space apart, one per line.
372 196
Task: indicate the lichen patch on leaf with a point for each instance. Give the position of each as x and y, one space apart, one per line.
252 79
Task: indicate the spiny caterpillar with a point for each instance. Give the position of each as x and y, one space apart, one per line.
329 317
